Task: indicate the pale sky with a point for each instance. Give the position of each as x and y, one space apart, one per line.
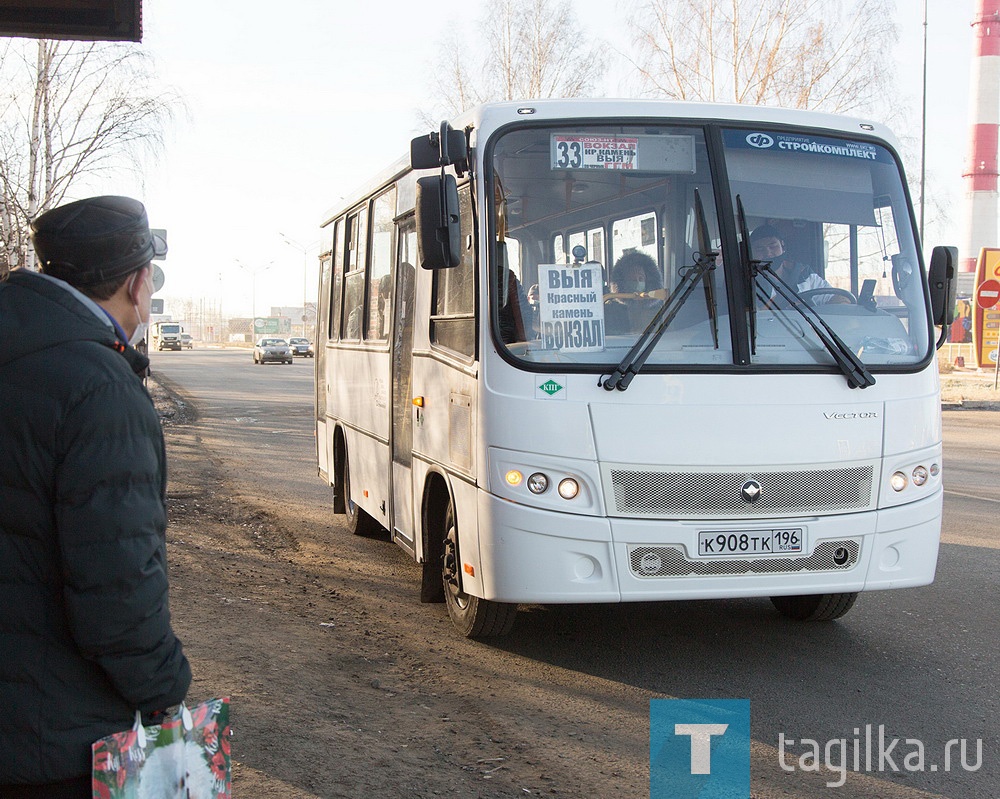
290 106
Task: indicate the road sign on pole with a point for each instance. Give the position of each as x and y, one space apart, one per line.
988 293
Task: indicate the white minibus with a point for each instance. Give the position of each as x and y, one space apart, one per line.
576 351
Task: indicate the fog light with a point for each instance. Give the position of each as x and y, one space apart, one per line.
898 481
538 483
935 470
568 488
919 476
514 477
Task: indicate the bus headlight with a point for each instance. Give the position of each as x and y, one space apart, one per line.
546 482
568 488
538 483
898 481
919 475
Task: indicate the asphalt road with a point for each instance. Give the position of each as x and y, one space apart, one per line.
920 663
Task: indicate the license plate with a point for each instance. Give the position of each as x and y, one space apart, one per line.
750 542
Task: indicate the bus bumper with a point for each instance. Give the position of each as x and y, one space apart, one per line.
530 555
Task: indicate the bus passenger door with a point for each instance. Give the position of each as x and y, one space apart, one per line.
402 400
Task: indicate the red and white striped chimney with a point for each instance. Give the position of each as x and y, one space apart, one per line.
981 171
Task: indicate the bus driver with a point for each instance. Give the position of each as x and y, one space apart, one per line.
767 245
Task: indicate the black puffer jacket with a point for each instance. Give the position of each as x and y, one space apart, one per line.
85 636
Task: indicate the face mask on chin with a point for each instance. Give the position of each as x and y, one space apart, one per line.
139 334
140 329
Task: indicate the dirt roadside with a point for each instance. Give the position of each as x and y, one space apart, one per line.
970 389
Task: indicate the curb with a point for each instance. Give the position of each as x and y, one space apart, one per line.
971 405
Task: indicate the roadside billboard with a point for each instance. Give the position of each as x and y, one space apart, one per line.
986 308
272 326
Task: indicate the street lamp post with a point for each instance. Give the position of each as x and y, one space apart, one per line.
254 271
305 273
923 134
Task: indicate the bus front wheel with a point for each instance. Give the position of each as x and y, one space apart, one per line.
474 617
814 607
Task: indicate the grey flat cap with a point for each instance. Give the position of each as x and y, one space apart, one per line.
95 240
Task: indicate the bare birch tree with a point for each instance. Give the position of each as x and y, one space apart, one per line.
71 110
830 55
521 49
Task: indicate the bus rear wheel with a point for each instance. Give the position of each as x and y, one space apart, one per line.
814 607
358 520
474 617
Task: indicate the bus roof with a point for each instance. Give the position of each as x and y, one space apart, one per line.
493 115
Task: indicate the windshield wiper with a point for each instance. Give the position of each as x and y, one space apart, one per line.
750 268
701 270
853 368
851 365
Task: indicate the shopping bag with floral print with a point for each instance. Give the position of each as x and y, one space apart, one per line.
185 757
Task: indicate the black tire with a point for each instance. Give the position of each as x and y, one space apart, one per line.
474 617
814 607
358 521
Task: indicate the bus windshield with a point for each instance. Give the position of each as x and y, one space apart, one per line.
596 227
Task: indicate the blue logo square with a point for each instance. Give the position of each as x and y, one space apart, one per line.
699 749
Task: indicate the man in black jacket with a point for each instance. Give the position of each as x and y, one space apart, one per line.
85 635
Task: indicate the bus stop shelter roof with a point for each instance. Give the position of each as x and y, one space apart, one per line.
88 20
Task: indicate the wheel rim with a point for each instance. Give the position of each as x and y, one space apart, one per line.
449 569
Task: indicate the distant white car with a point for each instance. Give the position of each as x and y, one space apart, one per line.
187 342
272 349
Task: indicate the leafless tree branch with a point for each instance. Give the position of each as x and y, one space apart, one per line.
830 55
521 49
69 110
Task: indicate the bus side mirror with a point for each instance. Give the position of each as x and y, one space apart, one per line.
438 234
943 281
440 148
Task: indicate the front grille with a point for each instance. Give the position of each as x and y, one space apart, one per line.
667 561
714 494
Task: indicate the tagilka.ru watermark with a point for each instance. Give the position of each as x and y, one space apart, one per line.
871 750
700 749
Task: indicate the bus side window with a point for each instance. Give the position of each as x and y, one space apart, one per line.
354 281
380 269
336 281
453 319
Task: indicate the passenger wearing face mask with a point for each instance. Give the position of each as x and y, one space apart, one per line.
85 631
629 308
